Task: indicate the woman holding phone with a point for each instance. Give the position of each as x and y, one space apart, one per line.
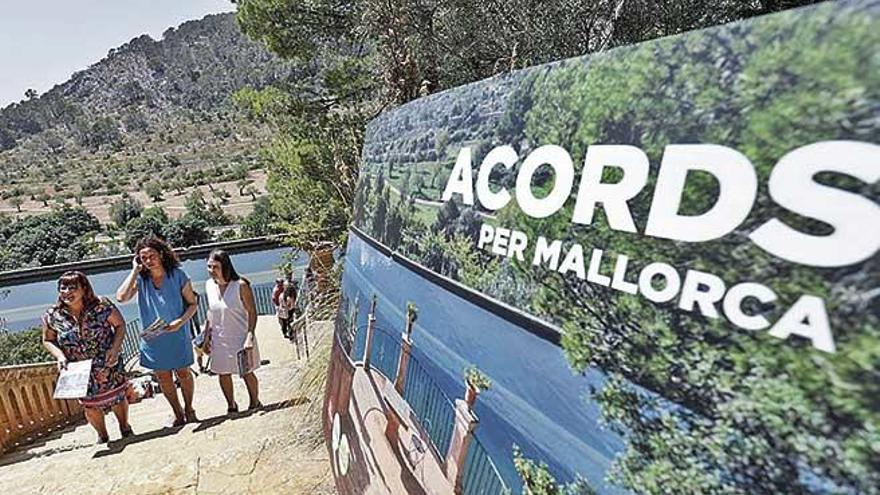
232 320
79 327
165 296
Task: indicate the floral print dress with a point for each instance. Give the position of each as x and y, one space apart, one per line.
92 340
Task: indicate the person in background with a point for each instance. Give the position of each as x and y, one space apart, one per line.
164 293
289 299
231 323
81 326
281 310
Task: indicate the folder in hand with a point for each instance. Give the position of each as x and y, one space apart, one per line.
156 329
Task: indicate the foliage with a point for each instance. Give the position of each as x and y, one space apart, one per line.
62 236
412 312
261 221
476 378
22 347
537 479
141 227
186 231
154 190
155 212
125 208
702 407
198 208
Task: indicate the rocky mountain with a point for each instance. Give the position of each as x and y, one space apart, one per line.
195 67
149 104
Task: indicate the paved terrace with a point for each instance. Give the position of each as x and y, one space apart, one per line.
275 450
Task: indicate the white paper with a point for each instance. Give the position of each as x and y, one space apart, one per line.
73 382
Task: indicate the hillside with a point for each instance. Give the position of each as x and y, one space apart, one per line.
152 112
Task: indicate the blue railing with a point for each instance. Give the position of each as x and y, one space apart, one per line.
481 477
385 352
434 409
131 345
262 299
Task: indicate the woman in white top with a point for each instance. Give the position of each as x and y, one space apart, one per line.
232 319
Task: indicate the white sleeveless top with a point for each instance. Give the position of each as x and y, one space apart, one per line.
229 325
226 311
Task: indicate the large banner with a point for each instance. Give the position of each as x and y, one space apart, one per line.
650 270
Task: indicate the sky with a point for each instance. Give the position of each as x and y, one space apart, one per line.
43 42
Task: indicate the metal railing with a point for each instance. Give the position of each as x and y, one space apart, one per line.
131 345
481 476
385 352
433 409
262 300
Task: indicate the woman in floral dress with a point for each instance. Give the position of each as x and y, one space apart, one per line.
79 327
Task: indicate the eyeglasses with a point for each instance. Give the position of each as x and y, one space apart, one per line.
68 287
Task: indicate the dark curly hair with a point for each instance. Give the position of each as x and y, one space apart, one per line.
170 261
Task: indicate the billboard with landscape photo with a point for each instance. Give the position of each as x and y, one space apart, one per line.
658 264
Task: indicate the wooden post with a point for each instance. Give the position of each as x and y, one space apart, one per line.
405 349
26 421
41 419
5 423
462 433
13 421
371 327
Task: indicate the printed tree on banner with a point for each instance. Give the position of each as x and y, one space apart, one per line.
721 410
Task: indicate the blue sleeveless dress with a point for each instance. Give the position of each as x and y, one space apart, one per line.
171 350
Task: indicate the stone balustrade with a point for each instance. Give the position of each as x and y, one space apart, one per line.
27 409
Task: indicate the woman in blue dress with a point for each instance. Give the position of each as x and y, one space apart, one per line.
164 293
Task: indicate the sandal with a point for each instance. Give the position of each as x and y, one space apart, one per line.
233 409
177 423
126 432
102 440
190 416
254 407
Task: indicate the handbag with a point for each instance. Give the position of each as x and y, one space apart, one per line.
200 342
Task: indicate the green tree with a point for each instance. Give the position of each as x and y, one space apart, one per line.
64 235
717 410
252 191
242 184
154 190
156 212
537 479
24 347
187 231
16 201
261 221
141 227
210 213
124 209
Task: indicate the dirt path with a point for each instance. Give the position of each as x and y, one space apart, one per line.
275 450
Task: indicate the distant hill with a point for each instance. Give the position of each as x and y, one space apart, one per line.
151 111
